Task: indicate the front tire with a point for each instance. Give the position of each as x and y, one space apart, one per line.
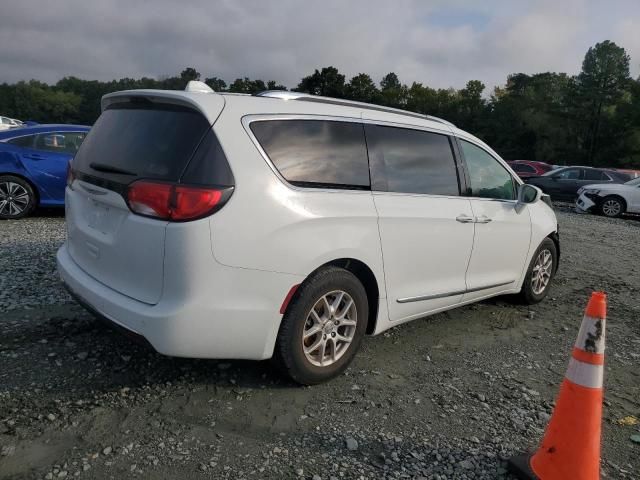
542 269
612 206
17 198
323 326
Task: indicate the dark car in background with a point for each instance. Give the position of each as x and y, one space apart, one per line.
564 183
529 168
33 166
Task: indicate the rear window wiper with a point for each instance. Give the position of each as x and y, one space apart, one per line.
103 167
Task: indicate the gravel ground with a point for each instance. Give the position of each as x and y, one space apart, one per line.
448 397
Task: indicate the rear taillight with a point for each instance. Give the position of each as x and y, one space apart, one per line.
178 203
71 176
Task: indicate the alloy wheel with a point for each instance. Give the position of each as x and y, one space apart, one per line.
14 199
542 269
329 328
611 208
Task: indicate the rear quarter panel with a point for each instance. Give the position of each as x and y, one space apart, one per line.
10 159
270 225
11 164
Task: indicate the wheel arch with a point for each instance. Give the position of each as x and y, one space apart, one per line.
368 279
618 197
555 237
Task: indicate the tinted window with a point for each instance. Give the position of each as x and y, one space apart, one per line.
489 179
523 168
411 161
148 140
26 141
60 142
568 174
209 164
316 152
595 175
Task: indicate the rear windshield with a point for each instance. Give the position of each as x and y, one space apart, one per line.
141 140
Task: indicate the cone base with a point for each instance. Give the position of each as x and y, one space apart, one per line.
520 466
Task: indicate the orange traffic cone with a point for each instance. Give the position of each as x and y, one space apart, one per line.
570 448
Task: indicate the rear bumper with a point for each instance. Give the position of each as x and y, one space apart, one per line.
107 321
236 316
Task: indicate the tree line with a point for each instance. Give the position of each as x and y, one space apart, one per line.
592 118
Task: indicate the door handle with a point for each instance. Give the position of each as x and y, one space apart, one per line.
35 156
464 219
483 219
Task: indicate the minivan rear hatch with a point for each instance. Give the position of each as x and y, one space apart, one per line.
135 138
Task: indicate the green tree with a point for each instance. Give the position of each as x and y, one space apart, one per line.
273 85
217 84
37 101
600 86
545 116
189 74
393 93
246 85
327 82
363 89
528 119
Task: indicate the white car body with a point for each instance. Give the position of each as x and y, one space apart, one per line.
590 197
7 123
215 287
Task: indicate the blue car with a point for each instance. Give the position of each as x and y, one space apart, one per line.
33 166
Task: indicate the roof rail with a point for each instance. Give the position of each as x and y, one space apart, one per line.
307 97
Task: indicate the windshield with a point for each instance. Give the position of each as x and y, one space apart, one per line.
634 182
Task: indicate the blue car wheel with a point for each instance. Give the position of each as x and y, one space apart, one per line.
17 198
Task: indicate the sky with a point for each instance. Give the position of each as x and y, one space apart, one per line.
438 43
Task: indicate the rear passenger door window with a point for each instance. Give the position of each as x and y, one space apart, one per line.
411 161
25 141
569 174
595 175
488 178
316 153
60 142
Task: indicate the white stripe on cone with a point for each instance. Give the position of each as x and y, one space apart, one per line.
585 374
591 336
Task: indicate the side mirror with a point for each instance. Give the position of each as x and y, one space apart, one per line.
527 194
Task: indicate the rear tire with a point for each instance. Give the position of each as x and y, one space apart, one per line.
323 327
540 274
17 198
612 206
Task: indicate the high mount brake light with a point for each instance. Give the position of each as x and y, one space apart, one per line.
175 202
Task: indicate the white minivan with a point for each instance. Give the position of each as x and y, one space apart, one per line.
287 226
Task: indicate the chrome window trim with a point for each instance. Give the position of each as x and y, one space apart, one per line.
421 298
425 195
6 140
